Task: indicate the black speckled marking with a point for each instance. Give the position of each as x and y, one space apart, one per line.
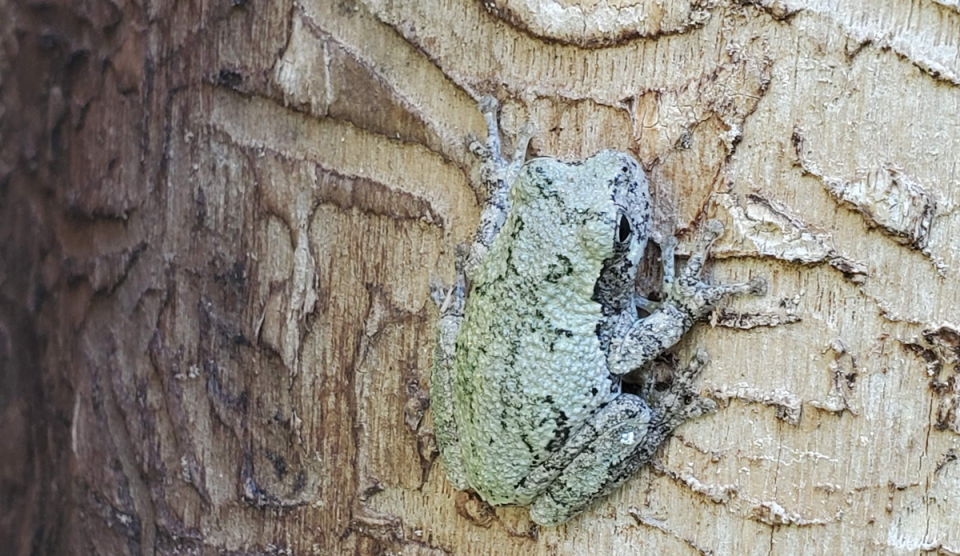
558 441
561 269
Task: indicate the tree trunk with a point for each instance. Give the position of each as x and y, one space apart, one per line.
219 221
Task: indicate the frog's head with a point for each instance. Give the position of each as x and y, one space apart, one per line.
629 192
594 212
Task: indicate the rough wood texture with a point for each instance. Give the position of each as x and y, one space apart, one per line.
218 221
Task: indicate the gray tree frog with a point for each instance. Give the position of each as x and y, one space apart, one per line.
526 381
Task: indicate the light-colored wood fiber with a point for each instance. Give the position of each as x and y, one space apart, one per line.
222 220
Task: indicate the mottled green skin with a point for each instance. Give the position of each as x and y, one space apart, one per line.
529 365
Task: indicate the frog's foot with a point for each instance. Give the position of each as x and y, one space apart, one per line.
520 151
497 176
493 167
450 299
682 401
696 297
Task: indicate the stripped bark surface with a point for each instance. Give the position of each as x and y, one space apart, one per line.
219 222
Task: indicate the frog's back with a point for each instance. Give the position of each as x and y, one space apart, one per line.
530 370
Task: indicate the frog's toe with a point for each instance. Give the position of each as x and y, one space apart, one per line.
758 286
488 104
713 229
700 360
699 407
476 147
709 233
438 292
713 294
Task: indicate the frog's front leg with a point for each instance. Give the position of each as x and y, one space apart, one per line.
497 176
636 342
450 301
626 433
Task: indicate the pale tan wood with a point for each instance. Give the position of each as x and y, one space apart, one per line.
220 221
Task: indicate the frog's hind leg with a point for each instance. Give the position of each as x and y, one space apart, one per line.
497 176
624 441
578 472
450 301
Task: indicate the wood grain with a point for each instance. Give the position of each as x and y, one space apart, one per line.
219 221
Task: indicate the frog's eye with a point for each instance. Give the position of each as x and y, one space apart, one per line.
623 230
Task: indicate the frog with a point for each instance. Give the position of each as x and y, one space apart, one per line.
542 323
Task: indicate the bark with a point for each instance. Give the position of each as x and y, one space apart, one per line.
219 221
